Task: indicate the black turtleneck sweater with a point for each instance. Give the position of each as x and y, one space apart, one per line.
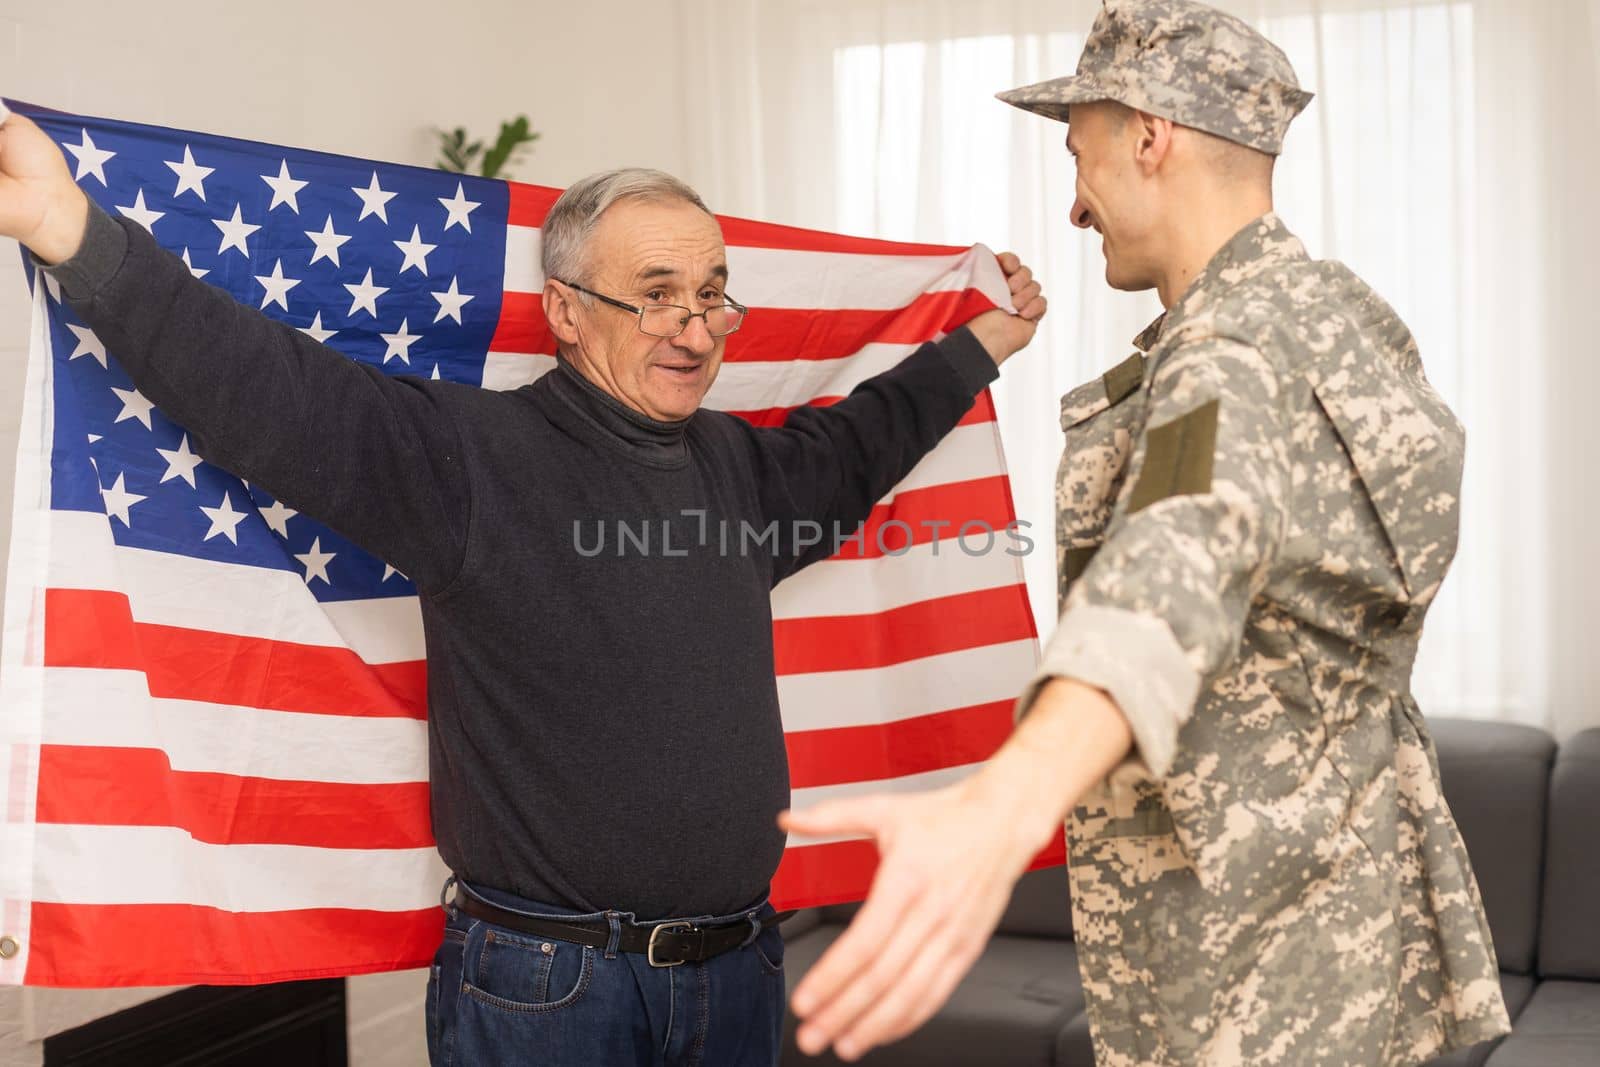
603 717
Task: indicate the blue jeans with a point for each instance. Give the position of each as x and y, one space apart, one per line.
497 996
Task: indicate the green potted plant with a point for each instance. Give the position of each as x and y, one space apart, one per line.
457 153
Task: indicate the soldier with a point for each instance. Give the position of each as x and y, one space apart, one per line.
1255 511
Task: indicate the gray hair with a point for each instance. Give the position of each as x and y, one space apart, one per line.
573 216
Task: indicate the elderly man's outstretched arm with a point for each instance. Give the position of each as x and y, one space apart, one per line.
374 457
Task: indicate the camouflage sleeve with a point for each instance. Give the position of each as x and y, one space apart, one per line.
1163 602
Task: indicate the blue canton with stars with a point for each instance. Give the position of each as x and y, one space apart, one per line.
393 265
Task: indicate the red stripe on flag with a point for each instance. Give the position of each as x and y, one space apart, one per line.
94 628
982 410
926 628
90 628
86 785
772 335
531 203
782 334
939 511
841 872
815 875
897 749
522 329
102 945
748 233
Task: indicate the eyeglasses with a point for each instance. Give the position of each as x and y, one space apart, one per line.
669 320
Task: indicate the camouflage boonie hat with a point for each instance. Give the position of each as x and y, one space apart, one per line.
1183 61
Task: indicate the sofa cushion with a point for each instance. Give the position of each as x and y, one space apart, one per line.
1075 1044
1569 945
1496 780
1040 906
1516 988
1008 1009
801 922
1560 1027
840 914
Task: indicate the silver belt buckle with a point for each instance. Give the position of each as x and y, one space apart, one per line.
650 950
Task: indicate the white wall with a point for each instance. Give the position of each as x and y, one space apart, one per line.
368 79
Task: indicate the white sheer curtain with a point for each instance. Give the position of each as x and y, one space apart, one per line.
1450 158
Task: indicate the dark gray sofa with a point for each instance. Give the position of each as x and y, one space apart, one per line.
1530 816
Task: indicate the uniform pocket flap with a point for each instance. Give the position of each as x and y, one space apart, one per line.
1083 402
1408 449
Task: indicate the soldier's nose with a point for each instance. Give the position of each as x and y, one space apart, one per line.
1080 216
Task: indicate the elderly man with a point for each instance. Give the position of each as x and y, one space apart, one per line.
606 755
1255 511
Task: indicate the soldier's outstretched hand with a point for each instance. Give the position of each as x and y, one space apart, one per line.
949 860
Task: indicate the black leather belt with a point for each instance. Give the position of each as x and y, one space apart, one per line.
664 944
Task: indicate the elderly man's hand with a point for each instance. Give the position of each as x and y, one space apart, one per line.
949 861
1001 333
40 204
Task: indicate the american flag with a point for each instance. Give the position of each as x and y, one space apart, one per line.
213 707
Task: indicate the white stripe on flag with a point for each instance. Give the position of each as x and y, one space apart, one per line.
513 370
868 586
169 589
760 384
752 385
781 278
968 452
291 746
823 700
228 739
22 643
164 865
174 590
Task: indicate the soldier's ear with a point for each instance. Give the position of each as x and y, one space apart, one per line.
1152 140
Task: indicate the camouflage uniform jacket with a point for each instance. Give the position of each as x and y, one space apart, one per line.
1254 515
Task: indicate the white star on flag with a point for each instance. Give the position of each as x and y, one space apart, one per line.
316 331
91 159
141 214
277 287
374 200
224 520
400 343
284 188
459 209
327 242
198 272
235 232
389 572
134 406
88 344
180 462
416 251
316 562
118 500
450 302
191 176
365 295
278 517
